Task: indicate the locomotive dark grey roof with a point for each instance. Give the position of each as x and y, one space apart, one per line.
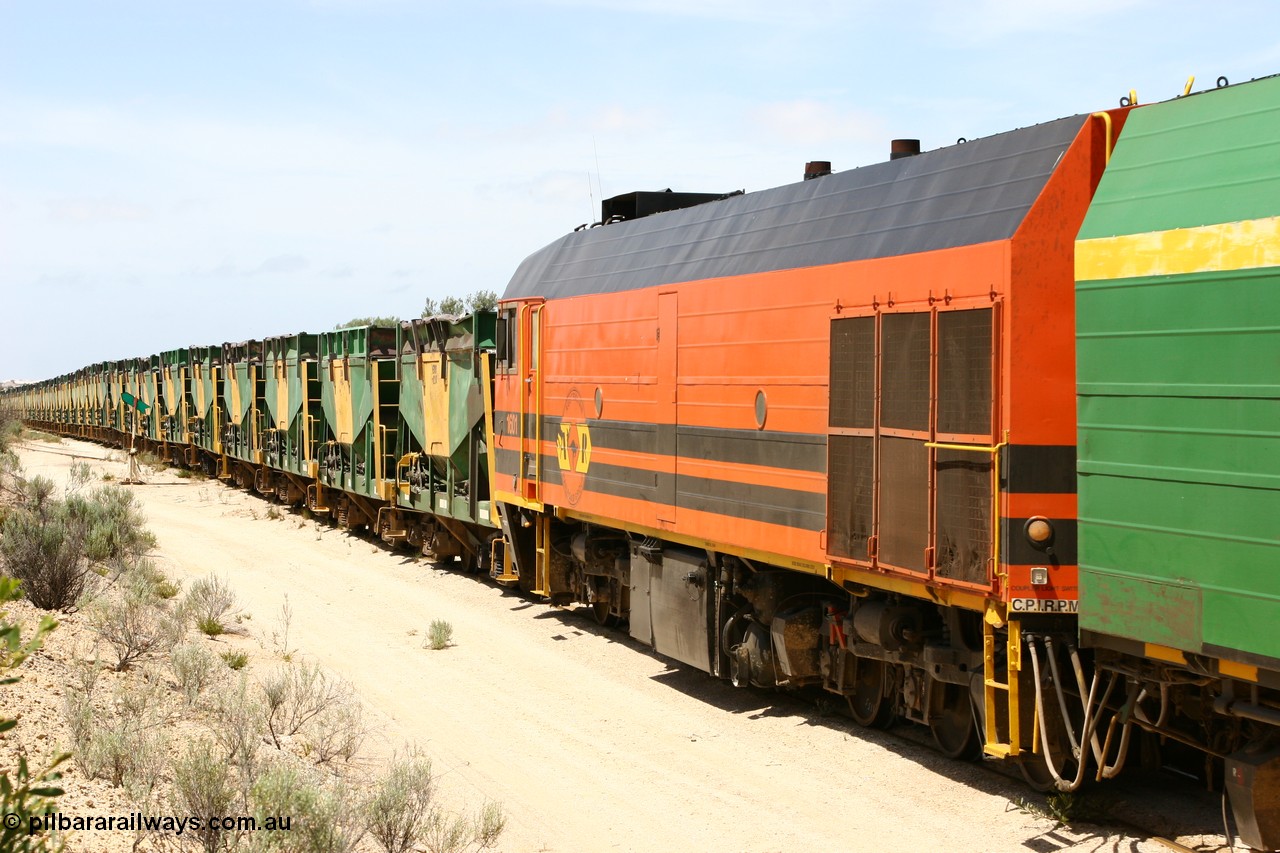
972 193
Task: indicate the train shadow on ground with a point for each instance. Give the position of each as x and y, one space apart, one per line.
1141 802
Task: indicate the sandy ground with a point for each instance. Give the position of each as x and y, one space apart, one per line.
589 741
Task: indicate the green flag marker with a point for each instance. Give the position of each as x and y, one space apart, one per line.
130 400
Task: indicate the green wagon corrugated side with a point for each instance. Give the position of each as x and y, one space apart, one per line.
1178 335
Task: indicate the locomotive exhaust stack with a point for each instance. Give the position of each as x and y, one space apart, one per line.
900 148
816 169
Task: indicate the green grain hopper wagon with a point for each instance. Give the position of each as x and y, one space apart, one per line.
151 396
99 386
59 405
204 420
359 395
241 399
175 395
121 383
292 415
441 466
81 401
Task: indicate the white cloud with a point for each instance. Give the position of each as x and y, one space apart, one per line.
275 265
992 20
214 142
814 122
616 118
94 210
747 11
280 264
61 281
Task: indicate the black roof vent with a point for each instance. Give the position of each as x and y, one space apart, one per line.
638 204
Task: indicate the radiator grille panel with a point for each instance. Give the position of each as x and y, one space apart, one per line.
853 373
884 372
904 375
850 484
964 372
963 515
904 502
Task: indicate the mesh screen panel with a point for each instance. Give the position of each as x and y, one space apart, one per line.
853 372
904 374
963 515
904 502
849 485
964 372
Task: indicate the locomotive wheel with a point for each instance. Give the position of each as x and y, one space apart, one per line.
953 725
600 610
867 703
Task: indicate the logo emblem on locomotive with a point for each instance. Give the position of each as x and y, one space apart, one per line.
573 448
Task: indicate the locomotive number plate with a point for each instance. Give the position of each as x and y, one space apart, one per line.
1044 605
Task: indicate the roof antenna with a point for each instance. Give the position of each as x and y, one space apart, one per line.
596 149
592 197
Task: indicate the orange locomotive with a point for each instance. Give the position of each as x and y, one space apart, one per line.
821 434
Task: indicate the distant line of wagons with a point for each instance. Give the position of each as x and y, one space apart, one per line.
986 438
383 427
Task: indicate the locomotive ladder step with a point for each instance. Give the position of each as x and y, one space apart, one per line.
993 744
542 557
506 575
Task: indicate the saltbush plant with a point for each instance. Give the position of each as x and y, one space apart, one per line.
203 788
211 604
194 668
439 635
297 693
134 625
23 792
58 546
401 808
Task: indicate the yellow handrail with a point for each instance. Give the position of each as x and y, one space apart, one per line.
1106 120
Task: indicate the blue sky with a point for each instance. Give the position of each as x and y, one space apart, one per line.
177 173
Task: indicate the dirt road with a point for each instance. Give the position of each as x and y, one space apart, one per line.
589 741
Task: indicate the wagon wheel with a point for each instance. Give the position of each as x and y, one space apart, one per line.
867 703
953 726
